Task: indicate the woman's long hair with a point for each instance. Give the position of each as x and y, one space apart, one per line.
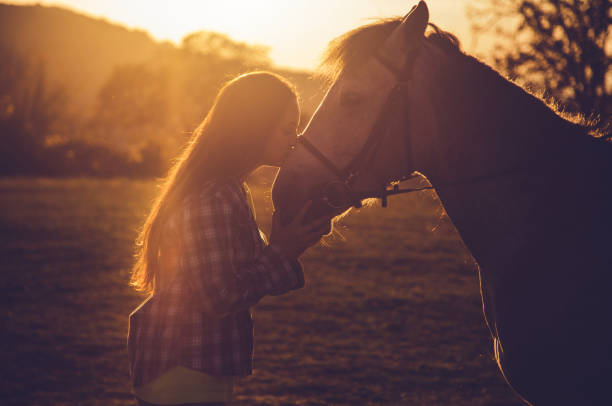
229 143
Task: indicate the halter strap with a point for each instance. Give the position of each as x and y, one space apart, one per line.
319 155
401 74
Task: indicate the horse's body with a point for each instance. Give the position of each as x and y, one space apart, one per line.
541 236
529 192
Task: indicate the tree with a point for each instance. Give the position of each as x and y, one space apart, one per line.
31 111
132 103
214 44
563 47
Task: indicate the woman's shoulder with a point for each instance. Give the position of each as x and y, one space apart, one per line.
218 199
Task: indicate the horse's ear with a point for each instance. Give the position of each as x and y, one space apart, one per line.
407 36
415 22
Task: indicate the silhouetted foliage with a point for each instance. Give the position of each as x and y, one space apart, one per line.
214 44
133 102
36 131
30 111
561 46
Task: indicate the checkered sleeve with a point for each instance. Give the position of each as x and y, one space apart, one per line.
212 239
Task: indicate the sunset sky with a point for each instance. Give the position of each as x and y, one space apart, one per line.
297 31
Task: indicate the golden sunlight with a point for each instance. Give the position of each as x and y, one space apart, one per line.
296 31
188 149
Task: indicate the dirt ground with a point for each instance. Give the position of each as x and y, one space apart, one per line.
390 314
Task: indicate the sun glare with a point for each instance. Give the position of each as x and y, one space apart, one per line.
266 22
256 19
297 31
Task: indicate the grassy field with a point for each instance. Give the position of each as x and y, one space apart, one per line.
389 316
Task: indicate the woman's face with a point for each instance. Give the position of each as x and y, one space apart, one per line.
283 137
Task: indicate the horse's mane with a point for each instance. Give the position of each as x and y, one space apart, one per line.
354 47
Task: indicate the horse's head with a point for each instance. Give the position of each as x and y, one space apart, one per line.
356 144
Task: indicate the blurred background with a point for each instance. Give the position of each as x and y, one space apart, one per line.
97 98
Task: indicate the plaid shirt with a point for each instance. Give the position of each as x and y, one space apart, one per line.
201 319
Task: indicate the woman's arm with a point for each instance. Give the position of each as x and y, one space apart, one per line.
211 239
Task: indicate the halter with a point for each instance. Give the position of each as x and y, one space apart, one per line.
346 176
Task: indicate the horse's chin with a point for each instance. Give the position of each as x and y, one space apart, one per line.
328 228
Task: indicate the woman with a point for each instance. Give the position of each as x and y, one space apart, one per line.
201 255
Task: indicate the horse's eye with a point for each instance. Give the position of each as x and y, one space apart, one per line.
350 98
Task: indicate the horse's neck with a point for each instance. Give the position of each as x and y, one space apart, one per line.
516 150
488 125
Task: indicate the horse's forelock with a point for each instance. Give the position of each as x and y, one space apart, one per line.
354 46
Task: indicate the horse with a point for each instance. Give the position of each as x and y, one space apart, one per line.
528 189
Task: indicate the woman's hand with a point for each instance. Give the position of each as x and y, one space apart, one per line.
294 238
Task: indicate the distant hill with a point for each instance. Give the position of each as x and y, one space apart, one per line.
81 52
76 50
